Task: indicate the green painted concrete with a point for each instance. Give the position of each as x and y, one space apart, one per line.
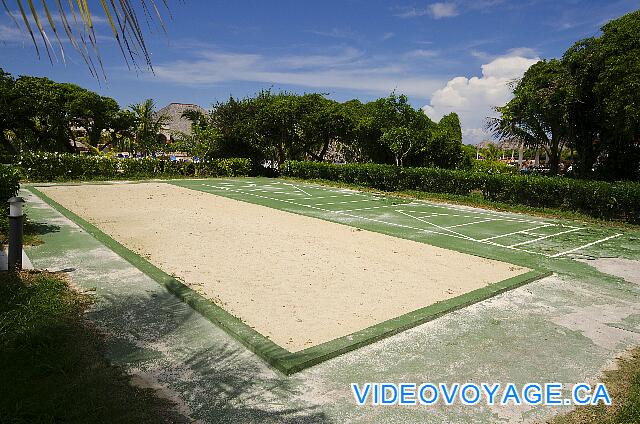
565 328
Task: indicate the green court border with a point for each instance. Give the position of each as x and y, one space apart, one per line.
278 357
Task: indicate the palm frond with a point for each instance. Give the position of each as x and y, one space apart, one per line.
77 17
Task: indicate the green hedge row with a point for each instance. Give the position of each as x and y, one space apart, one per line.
619 200
64 167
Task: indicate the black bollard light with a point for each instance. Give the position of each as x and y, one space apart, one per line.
14 257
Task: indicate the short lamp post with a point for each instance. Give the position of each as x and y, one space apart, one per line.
14 257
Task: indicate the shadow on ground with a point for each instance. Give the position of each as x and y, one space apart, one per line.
217 381
39 228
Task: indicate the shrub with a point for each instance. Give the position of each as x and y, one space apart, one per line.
65 167
493 167
620 200
9 183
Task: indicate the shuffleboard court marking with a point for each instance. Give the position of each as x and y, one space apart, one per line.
586 245
365 209
462 236
545 237
502 217
519 232
297 188
344 202
473 223
416 203
320 197
436 225
393 224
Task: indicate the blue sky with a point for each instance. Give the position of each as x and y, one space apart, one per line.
450 55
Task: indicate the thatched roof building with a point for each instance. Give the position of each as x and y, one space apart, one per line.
176 122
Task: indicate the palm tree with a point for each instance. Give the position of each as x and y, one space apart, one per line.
74 21
147 127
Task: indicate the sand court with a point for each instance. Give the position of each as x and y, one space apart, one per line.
298 280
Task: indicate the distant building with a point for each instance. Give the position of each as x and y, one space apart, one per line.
176 123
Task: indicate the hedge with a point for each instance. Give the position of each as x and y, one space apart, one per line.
619 200
64 167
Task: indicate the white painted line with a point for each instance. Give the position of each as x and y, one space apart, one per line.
462 236
435 225
318 197
545 237
366 209
517 232
393 224
297 188
344 202
586 245
472 223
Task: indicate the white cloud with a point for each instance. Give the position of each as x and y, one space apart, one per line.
411 12
345 68
422 53
473 98
10 33
443 10
387 36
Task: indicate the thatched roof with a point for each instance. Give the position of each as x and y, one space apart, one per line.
176 122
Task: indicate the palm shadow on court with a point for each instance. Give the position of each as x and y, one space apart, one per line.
161 337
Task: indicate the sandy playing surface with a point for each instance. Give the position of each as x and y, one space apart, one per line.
298 280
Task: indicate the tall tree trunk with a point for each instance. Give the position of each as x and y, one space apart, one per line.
554 157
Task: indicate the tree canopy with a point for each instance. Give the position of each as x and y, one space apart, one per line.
41 115
589 101
276 127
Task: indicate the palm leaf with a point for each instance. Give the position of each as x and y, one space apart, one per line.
77 19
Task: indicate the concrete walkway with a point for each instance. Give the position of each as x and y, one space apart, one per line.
552 330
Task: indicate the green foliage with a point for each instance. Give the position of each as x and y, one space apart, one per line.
9 184
66 167
537 114
278 127
600 199
147 127
589 100
493 167
37 114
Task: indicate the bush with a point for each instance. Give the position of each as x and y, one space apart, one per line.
620 200
493 167
9 183
65 167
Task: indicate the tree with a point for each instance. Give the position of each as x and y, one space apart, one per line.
43 118
91 111
322 122
204 141
147 127
589 101
444 147
43 115
401 141
537 114
605 108
7 115
122 131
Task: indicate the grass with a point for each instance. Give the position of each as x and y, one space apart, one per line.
623 385
477 200
52 364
